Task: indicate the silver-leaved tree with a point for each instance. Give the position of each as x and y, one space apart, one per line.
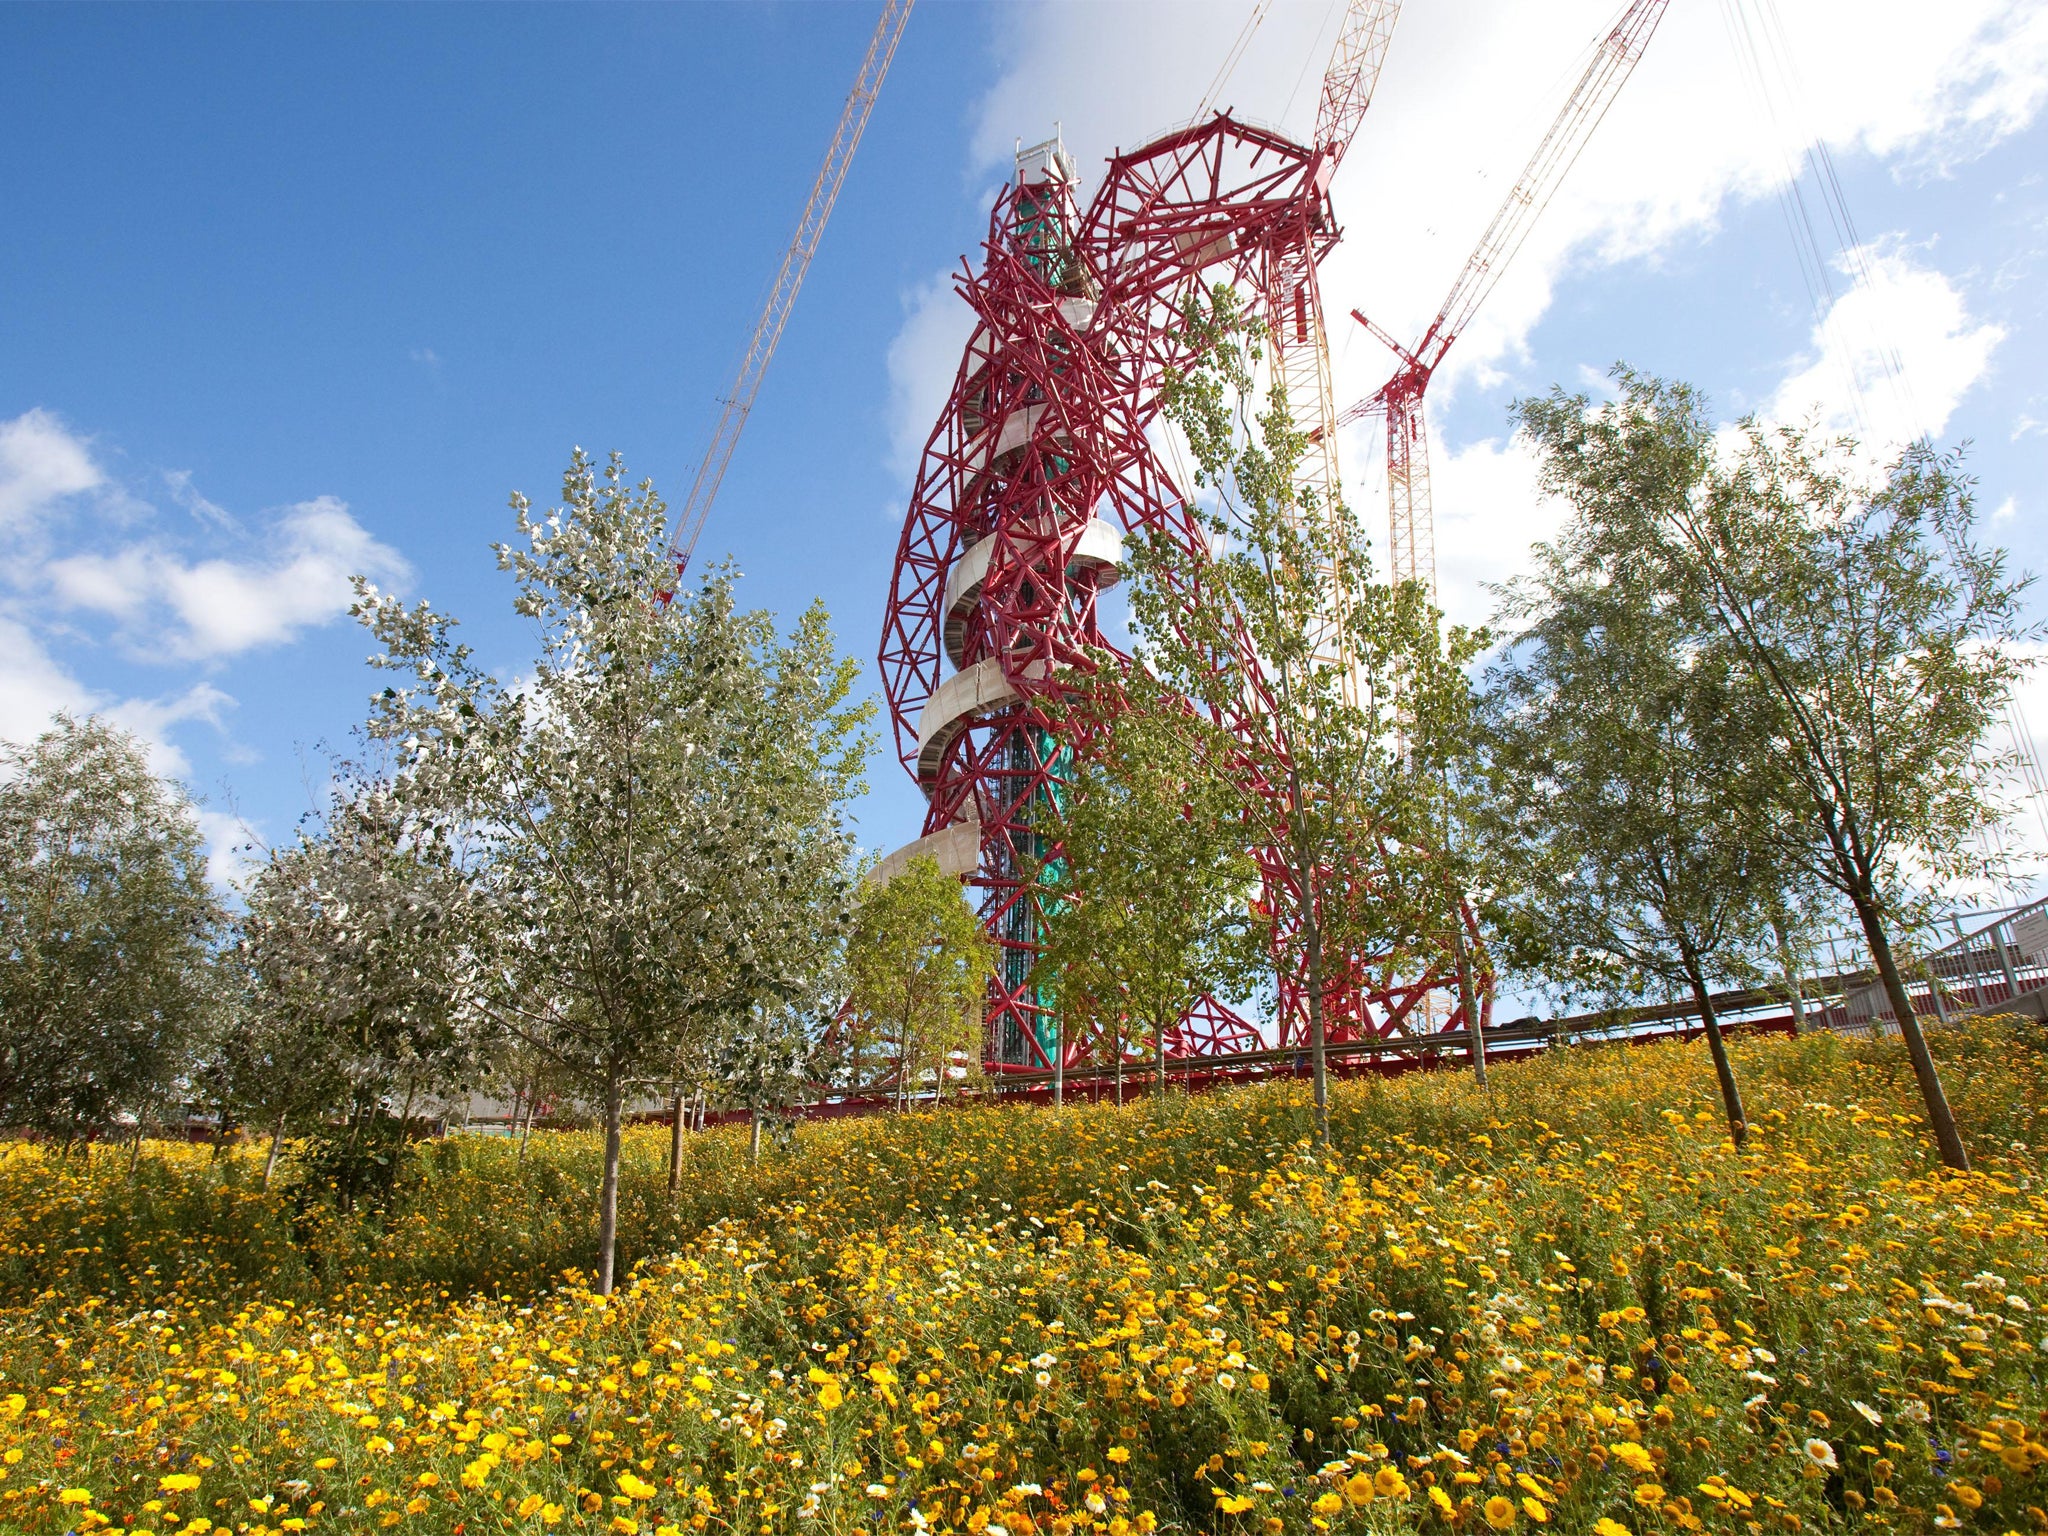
106 925
651 818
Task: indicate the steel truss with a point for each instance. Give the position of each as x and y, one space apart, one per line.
1043 440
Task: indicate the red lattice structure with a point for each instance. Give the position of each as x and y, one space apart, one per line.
1039 464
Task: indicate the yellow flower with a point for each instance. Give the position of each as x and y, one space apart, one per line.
634 1487
1967 1496
1391 1484
1260 1381
551 1514
829 1396
621 1526
1359 1489
1649 1495
1118 1453
1605 1526
178 1482
1500 1512
1233 1503
529 1506
1631 1455
75 1496
1328 1504
1439 1498
1535 1509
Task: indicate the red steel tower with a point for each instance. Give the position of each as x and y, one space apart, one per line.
1039 464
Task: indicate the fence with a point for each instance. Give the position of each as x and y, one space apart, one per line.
1988 967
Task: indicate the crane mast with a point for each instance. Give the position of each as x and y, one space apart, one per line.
1411 524
1299 339
789 278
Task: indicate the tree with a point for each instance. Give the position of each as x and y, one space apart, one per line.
1620 771
765 1066
106 928
1333 699
1148 897
1870 643
646 816
351 953
919 967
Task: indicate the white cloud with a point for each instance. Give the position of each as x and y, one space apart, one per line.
41 463
33 686
213 608
152 720
1488 513
231 851
171 598
1488 507
187 496
1468 89
1894 357
923 361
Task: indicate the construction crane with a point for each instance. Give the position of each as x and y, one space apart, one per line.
796 261
1354 71
1300 341
1410 522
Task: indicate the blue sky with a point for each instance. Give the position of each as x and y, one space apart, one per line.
292 292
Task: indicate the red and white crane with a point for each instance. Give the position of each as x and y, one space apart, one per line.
796 261
1410 522
1300 341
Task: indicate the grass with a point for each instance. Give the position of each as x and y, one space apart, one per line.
1568 1304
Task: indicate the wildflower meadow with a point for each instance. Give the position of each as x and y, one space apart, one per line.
1568 1302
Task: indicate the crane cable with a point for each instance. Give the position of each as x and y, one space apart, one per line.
789 278
1759 43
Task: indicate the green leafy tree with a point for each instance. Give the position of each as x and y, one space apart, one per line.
1335 699
918 967
1871 644
1149 896
1620 774
106 929
647 814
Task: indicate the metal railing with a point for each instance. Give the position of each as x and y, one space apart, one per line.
1976 972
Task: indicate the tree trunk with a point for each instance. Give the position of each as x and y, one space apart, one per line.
1318 1064
1159 1063
608 1192
675 1146
754 1138
1731 1096
1939 1117
526 1128
1795 987
1059 1065
1466 1000
276 1141
405 1115
1117 1045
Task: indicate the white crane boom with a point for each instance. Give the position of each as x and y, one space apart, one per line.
1410 515
1354 71
796 261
